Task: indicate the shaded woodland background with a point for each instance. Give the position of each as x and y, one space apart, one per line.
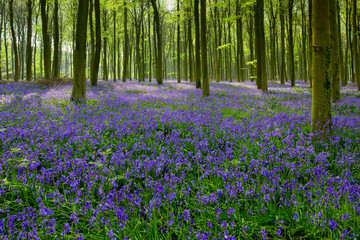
38 38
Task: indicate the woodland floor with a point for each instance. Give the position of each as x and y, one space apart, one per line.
141 161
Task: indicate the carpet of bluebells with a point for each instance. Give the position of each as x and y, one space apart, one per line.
140 161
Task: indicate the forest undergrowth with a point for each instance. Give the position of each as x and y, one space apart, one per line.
141 161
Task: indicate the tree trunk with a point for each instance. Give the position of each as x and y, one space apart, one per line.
310 42
342 74
15 49
272 22
197 44
6 52
251 46
191 67
79 85
92 36
178 44
320 108
347 49
356 47
204 68
56 64
105 65
334 50
114 45
46 40
282 34
126 44
304 33
95 59
260 46
186 76
159 74
230 42
291 44
28 44
150 50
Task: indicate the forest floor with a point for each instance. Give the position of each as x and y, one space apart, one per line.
142 161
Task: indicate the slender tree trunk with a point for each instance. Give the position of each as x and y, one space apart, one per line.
238 39
320 108
304 33
272 21
15 49
310 42
159 74
204 68
348 39
150 50
92 36
46 40
28 44
260 46
197 44
79 85
191 67
217 51
355 46
56 64
95 60
334 49
291 44
186 76
126 44
114 46
341 52
251 46
105 65
34 52
178 44
282 34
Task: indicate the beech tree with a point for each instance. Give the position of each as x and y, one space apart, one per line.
79 86
320 107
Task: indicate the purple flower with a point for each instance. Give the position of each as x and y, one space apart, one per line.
296 216
74 216
332 225
224 224
186 214
263 233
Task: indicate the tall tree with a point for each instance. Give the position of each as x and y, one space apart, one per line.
105 40
260 46
320 107
178 43
189 35
126 44
291 44
56 63
15 47
335 54
282 37
95 61
197 45
79 86
355 46
28 43
204 68
46 39
114 45
159 73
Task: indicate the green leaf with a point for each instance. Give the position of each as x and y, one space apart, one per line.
107 152
15 150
